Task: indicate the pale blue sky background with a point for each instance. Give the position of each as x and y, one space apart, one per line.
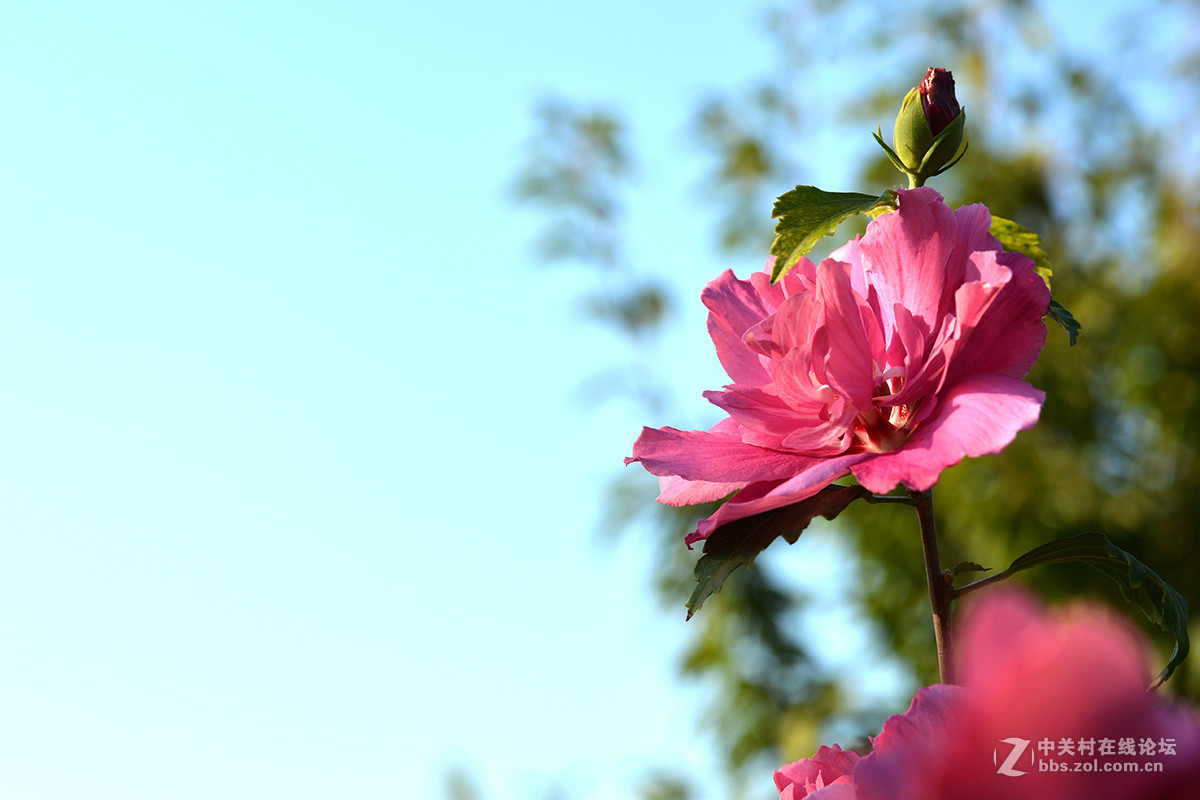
297 498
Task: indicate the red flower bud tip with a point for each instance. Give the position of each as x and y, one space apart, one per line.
938 100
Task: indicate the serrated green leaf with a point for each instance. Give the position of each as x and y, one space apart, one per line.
1020 239
737 543
806 214
1065 320
1138 583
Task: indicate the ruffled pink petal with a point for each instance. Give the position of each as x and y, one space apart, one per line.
765 418
713 456
903 762
851 253
813 777
794 324
767 421
924 370
842 790
1008 338
974 298
675 491
759 497
971 302
798 280
973 235
854 340
913 255
735 306
979 416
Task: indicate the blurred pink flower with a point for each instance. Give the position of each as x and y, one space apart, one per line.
1052 707
831 770
893 359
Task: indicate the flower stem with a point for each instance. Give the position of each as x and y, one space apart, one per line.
889 498
940 593
982 582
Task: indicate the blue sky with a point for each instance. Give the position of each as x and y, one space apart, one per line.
298 497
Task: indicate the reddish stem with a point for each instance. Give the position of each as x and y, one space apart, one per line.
940 592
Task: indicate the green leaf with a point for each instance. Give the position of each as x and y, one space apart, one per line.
737 543
807 213
1139 584
1065 320
1020 239
968 566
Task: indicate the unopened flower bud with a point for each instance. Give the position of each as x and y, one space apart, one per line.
929 128
938 100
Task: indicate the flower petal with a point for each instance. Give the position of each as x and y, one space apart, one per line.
979 416
912 256
767 421
1007 339
765 496
899 765
855 342
735 306
676 491
813 777
713 456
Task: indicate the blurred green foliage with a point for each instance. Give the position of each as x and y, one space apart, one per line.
1094 148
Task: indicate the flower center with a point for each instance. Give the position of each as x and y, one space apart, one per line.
880 428
874 434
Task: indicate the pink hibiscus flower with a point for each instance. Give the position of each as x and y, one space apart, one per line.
893 359
1052 707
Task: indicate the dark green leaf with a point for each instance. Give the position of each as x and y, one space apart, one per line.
1065 320
807 213
968 566
1138 583
737 543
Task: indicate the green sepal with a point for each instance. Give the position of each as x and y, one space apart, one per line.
1138 583
806 214
911 135
736 544
945 150
897 162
